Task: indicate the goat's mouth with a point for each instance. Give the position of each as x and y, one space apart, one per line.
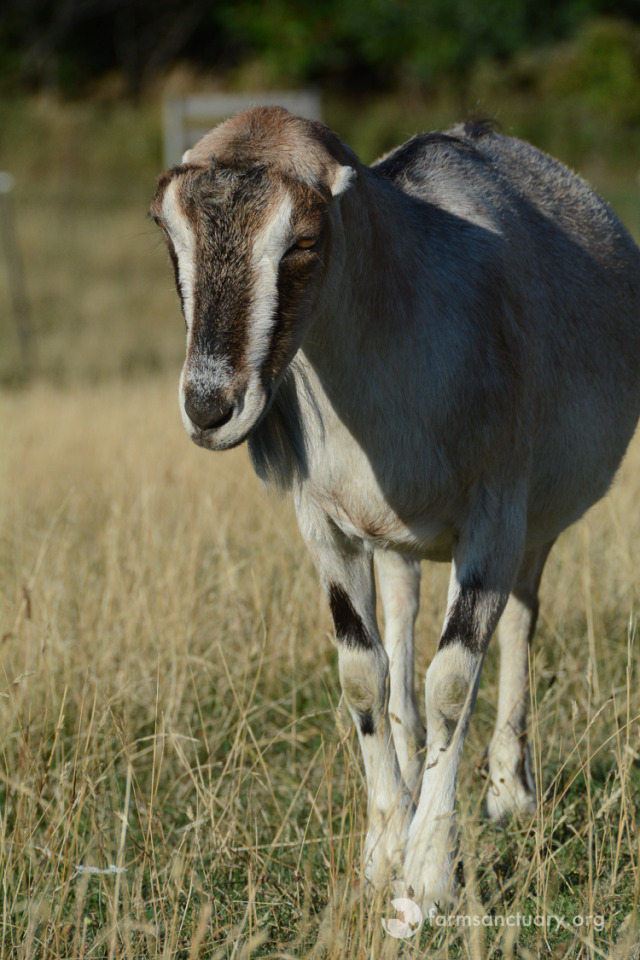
233 424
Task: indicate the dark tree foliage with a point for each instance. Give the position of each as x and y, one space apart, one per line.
367 43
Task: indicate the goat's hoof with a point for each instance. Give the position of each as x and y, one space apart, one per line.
381 870
508 798
431 886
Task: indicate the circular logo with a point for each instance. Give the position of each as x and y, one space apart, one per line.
410 923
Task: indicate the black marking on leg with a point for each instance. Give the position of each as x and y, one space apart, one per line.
350 629
462 626
523 771
367 726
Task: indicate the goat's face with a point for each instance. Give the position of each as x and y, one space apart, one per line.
249 248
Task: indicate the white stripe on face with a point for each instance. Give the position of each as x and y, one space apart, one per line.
181 233
268 247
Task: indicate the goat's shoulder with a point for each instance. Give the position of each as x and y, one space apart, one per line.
473 157
413 160
451 172
462 145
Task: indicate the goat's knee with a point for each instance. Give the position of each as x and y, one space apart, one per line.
365 684
448 688
448 697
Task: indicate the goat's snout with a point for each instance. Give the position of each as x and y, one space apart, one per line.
219 405
209 412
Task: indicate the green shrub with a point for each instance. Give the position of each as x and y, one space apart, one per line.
601 68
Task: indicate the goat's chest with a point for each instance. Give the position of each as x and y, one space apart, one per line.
388 509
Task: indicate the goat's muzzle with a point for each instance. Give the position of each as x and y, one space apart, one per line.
218 416
208 414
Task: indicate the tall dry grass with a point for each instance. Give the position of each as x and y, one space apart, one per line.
177 773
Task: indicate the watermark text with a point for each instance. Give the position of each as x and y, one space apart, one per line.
410 921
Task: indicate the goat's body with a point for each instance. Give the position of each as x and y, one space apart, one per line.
439 356
487 329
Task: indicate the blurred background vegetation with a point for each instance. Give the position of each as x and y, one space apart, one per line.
81 88
363 44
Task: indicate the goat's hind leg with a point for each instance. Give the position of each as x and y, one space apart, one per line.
399 580
512 786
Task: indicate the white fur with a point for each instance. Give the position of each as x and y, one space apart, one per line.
342 181
389 803
184 243
511 787
268 247
431 847
363 676
400 592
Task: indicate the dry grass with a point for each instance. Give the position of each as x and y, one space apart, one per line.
177 774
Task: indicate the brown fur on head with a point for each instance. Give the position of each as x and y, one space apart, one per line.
248 223
305 150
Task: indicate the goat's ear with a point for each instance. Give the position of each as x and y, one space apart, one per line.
342 180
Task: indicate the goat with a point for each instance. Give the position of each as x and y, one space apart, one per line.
438 356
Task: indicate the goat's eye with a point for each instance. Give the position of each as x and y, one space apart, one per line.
160 223
304 243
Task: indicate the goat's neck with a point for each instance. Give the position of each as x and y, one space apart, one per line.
370 305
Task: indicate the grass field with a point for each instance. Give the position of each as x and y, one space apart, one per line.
178 775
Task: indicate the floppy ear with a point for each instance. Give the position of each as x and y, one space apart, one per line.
342 180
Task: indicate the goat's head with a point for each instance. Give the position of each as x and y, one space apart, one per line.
249 219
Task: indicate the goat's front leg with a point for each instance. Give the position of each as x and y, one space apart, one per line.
346 570
478 591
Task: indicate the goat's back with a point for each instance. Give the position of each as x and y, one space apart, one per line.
513 188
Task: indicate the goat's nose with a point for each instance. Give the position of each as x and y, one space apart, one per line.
210 413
